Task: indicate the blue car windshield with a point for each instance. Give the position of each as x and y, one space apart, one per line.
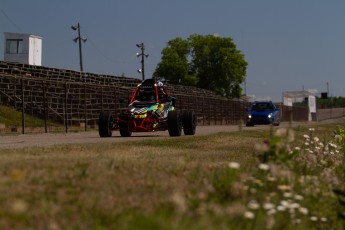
262 107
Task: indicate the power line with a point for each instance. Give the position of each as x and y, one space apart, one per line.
110 60
11 21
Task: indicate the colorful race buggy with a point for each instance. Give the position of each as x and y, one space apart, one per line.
150 109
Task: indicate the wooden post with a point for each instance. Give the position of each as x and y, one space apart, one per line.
45 106
23 109
101 98
66 116
85 112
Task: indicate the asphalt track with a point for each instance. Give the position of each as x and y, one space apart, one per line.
51 139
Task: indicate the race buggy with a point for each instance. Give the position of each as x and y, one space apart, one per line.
150 109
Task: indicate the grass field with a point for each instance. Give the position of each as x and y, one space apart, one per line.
277 179
12 119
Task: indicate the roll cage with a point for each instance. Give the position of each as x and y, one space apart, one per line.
150 91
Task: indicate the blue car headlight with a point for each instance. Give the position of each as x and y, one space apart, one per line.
249 116
270 115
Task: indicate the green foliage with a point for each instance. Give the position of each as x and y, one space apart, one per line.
277 147
174 64
340 192
340 135
331 102
299 177
222 181
209 62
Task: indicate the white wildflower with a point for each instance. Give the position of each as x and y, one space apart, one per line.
327 147
179 202
303 210
234 165
297 148
281 208
294 205
323 219
338 138
311 129
316 139
313 218
271 211
253 205
282 132
306 136
298 197
291 135
271 178
261 147
268 206
333 145
264 167
249 215
284 187
285 203
287 194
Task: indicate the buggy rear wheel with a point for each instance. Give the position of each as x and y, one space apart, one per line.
189 122
174 123
105 124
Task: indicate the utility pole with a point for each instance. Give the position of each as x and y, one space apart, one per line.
143 55
79 39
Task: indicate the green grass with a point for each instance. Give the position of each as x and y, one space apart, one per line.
172 183
13 118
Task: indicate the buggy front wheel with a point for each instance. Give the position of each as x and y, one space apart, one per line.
124 126
105 124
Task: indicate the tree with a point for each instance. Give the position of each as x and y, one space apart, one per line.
174 65
209 62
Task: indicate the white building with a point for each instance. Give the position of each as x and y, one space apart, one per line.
23 48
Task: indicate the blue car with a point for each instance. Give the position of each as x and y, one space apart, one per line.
262 112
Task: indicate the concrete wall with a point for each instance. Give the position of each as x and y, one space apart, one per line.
324 114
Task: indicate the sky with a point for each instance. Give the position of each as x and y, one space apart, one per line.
290 45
